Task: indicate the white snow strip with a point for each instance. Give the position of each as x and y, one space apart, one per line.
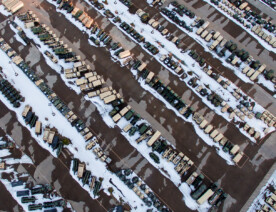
3 11
264 192
43 111
17 37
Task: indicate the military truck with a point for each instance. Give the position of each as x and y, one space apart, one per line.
199 191
81 168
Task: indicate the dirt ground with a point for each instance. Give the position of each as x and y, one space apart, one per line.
230 178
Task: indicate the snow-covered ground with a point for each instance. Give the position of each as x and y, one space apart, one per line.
237 71
146 31
260 40
186 80
265 192
13 190
3 11
17 37
39 103
104 110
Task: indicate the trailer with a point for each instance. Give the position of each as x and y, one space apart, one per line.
152 140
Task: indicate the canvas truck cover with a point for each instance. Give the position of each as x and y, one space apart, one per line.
155 136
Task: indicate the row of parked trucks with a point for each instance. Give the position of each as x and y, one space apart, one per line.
13 96
58 103
242 110
218 137
86 177
251 73
28 196
140 189
49 38
202 193
90 81
86 21
256 28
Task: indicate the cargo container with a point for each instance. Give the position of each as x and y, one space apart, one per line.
245 69
26 110
149 77
155 24
235 60
243 5
208 129
214 45
124 54
238 157
142 67
38 127
127 127
110 98
250 72
205 196
234 150
203 124
199 31
215 36
255 75
262 68
208 38
81 81
204 33
88 136
218 137
192 177
51 137
117 117
152 140
205 25
46 134
125 110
